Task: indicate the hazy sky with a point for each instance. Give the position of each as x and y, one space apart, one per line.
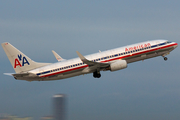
144 91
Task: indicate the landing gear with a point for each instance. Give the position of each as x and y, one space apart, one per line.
165 58
96 74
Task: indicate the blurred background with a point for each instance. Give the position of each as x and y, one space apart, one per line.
145 90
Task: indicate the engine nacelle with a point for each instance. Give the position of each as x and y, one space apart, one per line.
118 65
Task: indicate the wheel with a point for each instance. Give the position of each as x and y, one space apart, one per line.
165 58
96 75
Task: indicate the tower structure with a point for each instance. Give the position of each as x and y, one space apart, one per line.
59 107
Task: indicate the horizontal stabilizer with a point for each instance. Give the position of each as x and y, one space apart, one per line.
10 74
20 75
24 75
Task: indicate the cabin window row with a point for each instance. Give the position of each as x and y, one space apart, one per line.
103 58
124 53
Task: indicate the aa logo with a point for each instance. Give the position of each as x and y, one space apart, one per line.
20 61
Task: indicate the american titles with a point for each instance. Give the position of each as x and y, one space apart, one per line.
137 47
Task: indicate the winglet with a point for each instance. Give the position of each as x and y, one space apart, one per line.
58 57
81 56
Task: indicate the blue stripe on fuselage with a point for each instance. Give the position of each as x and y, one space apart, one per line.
116 55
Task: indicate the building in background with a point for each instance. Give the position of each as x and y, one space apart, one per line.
59 107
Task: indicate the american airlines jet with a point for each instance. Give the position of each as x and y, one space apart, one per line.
115 59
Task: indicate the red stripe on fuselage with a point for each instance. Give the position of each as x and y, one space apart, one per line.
132 54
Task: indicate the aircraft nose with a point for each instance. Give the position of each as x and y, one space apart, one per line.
176 44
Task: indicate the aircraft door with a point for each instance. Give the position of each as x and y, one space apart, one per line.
158 46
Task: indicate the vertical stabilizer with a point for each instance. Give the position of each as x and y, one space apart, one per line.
19 61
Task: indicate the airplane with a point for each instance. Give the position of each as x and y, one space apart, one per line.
109 60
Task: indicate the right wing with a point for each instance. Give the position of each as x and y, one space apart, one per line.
96 66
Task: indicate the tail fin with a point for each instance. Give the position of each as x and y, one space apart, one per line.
19 61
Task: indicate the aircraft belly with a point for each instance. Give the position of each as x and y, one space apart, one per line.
29 78
65 75
62 76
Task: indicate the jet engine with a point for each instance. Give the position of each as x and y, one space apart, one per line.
118 65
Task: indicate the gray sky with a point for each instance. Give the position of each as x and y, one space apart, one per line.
145 90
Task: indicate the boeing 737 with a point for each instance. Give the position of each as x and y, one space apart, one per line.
115 59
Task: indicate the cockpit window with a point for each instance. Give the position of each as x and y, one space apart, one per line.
168 42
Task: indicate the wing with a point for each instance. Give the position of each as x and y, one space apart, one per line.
96 66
